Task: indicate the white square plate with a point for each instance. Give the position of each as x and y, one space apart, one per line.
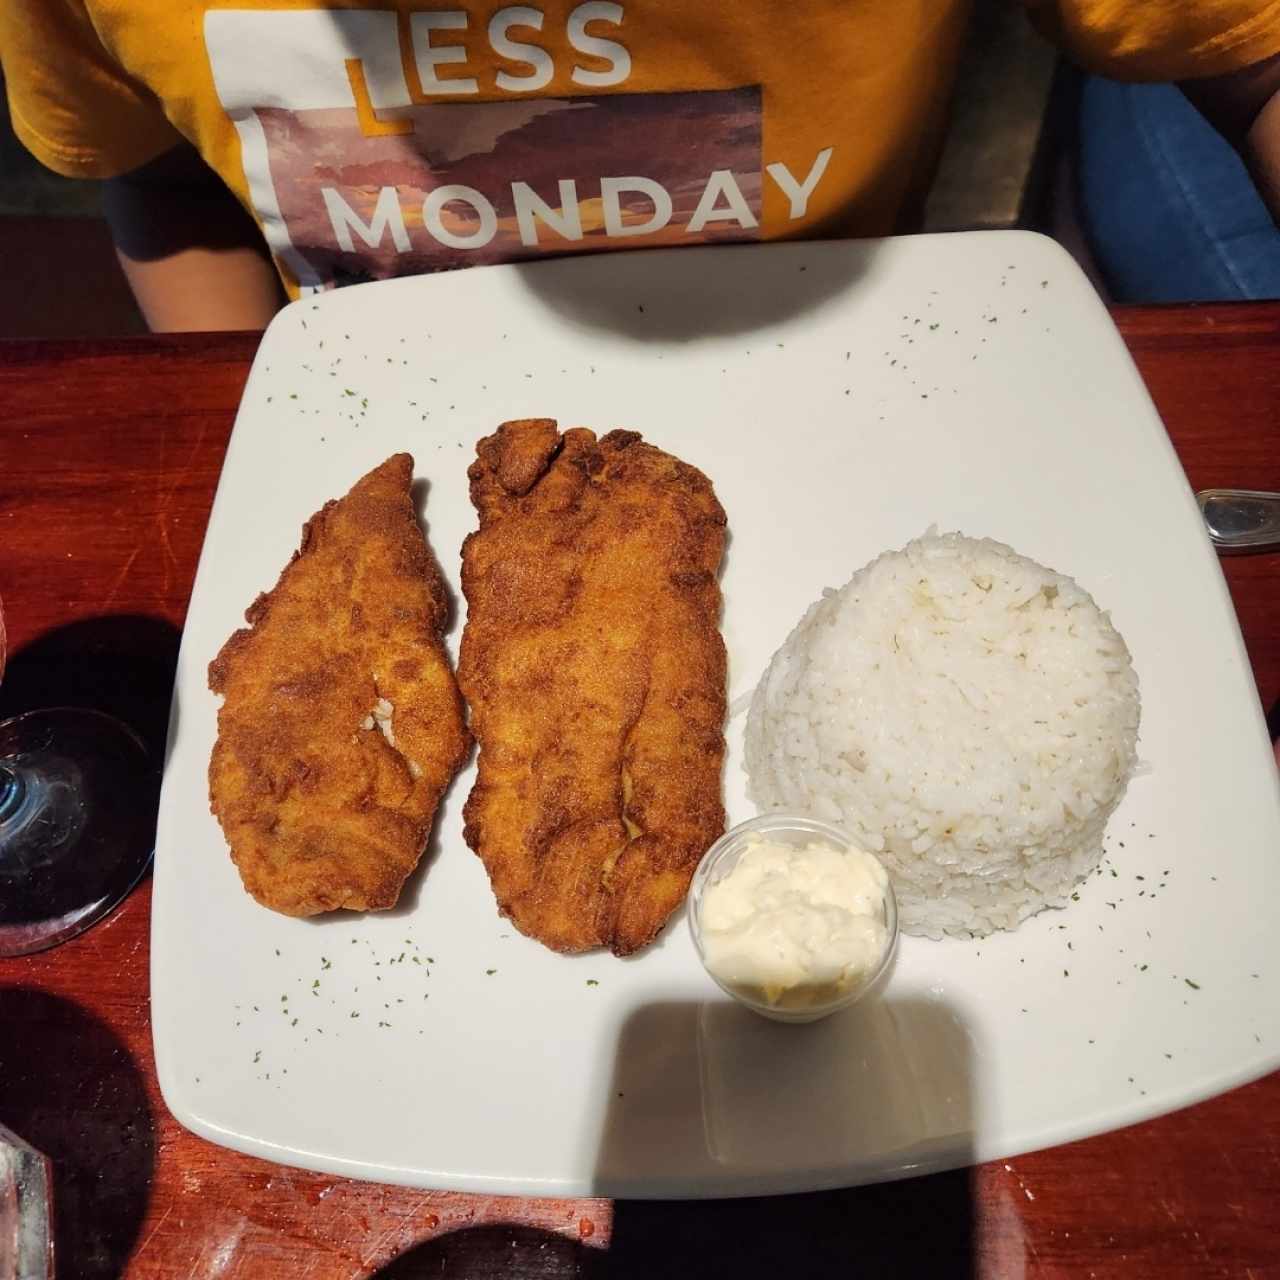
842 397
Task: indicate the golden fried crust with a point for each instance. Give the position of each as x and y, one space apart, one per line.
321 811
595 672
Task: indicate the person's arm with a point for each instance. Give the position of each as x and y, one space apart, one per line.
193 257
1244 107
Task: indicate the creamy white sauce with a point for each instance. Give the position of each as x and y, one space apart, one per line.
796 926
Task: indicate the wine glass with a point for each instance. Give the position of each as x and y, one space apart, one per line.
76 828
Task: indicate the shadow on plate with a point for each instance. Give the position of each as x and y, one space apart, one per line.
707 1095
687 294
411 890
70 1088
420 491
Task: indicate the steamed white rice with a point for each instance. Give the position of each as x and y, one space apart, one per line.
963 712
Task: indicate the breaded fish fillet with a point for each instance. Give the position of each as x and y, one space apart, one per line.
595 672
341 723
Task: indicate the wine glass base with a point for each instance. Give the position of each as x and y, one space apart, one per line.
77 823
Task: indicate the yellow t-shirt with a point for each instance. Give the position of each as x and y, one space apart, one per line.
381 138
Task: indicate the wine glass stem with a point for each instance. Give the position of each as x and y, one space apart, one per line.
12 790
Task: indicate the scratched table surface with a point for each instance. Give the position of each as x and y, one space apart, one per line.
109 457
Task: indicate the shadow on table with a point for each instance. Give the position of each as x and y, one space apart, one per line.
69 1087
507 1251
122 665
683 296
922 1228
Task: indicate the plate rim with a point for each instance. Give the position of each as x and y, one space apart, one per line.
734 1185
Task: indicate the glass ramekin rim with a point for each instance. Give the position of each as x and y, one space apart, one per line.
780 820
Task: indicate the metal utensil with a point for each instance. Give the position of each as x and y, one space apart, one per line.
1241 519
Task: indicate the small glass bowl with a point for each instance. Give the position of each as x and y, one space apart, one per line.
723 856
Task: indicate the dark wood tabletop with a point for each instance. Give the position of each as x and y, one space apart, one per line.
109 457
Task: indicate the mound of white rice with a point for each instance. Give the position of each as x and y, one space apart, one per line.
963 712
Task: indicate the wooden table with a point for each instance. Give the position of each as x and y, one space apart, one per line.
109 456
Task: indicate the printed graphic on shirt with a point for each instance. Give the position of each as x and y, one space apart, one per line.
483 182
358 170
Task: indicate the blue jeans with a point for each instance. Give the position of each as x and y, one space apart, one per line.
1168 208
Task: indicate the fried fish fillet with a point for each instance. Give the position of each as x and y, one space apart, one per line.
341 724
595 672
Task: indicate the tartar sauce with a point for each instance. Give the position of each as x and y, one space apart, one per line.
796 926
